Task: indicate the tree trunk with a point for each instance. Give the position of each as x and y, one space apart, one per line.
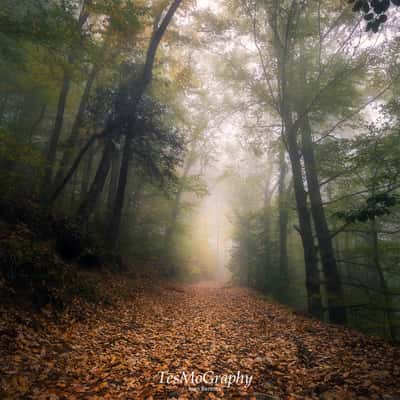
169 232
170 229
76 163
133 202
62 101
112 232
86 173
129 107
306 232
38 121
113 187
282 43
382 281
266 270
55 135
73 138
283 228
89 203
337 310
72 199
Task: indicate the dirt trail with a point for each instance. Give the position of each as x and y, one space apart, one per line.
121 352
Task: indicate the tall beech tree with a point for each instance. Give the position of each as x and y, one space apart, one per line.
112 44
51 151
301 78
138 87
123 122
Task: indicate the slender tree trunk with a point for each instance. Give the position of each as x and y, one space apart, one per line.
89 203
283 227
21 109
126 119
73 138
113 187
169 232
38 121
129 107
247 249
87 170
55 135
266 270
337 310
134 201
62 101
75 165
112 232
306 232
74 185
382 280
282 45
112 125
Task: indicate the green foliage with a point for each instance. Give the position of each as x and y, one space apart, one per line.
196 185
246 256
120 20
376 206
375 156
42 23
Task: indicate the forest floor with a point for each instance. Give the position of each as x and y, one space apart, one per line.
121 351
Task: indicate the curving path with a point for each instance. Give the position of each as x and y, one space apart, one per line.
189 342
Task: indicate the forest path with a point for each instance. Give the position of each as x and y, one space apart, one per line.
120 352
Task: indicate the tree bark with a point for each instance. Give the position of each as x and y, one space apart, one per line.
282 43
137 88
306 232
38 121
72 199
89 203
337 311
170 229
266 269
55 135
72 140
113 186
134 201
86 173
75 165
382 280
51 152
283 228
112 232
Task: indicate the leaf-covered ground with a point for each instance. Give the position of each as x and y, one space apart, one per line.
119 351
